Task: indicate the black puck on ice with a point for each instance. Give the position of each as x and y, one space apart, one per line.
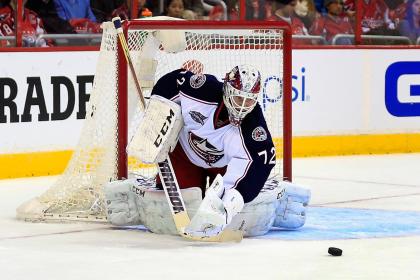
335 251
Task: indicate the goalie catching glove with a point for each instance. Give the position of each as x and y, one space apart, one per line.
157 133
216 211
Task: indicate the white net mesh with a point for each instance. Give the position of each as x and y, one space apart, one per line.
77 194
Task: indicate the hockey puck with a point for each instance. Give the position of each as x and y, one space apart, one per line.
335 251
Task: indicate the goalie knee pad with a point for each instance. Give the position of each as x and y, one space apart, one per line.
257 217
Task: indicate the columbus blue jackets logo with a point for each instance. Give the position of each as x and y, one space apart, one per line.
204 149
196 81
259 134
198 117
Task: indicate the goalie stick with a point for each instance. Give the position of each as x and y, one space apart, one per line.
166 173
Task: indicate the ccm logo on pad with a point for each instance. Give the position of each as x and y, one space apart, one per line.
402 89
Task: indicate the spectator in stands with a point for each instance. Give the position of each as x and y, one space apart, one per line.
397 10
232 11
70 9
350 8
175 8
102 9
284 11
154 6
124 11
269 8
79 14
189 15
305 10
255 9
31 26
319 5
7 22
195 6
410 26
48 13
375 16
333 23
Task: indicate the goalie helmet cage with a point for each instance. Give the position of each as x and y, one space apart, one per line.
114 110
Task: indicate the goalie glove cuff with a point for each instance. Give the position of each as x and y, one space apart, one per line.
233 203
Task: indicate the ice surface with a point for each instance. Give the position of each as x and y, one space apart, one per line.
369 206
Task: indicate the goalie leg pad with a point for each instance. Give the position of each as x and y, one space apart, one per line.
257 217
279 204
157 133
121 203
137 201
291 209
156 215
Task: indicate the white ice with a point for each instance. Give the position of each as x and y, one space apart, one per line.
85 251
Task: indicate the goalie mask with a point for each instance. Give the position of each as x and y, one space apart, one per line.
241 88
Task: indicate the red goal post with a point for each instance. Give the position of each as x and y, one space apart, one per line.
113 110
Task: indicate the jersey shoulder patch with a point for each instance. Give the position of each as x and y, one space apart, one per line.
197 81
259 134
255 131
204 87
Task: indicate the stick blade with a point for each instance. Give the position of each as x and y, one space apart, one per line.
181 220
225 236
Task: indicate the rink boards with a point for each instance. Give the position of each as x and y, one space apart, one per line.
354 101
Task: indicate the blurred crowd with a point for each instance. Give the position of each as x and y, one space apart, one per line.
312 21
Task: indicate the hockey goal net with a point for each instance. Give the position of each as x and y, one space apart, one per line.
113 108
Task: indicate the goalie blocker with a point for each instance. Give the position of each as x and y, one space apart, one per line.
157 133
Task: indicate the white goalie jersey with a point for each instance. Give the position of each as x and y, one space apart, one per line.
210 141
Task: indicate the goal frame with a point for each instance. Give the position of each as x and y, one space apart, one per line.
195 25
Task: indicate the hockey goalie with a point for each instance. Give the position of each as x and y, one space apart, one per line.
222 154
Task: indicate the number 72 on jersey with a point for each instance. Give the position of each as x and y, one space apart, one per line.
266 155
